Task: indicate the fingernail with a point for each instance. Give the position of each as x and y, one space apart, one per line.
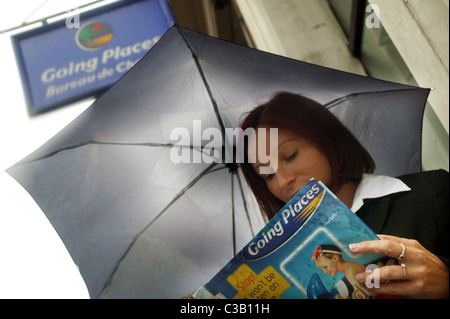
359 277
353 246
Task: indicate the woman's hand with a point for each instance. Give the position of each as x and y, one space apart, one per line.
423 275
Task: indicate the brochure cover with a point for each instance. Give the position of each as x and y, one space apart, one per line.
301 253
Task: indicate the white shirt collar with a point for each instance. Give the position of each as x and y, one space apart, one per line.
374 186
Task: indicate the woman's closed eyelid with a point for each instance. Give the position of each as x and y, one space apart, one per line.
292 156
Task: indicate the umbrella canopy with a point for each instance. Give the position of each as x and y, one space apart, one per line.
140 225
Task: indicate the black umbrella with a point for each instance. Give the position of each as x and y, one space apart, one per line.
140 225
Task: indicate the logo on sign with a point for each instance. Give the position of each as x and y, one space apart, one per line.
93 35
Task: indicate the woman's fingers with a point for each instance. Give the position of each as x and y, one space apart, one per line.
419 272
389 248
395 272
391 288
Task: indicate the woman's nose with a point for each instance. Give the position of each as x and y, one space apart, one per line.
285 178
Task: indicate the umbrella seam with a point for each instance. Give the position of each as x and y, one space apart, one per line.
94 142
205 82
341 99
136 237
245 204
233 219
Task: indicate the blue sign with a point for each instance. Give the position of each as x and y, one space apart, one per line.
66 61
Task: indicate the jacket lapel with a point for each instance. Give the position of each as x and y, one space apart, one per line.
374 213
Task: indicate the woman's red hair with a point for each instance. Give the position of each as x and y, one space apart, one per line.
347 157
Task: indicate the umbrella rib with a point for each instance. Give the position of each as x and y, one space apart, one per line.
342 99
245 204
180 193
233 219
94 142
205 82
136 237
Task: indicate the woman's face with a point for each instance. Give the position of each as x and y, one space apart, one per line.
299 160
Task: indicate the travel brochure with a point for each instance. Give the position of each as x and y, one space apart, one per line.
302 253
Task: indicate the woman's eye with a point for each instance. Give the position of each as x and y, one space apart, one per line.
291 157
268 177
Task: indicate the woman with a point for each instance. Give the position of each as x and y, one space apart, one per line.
413 210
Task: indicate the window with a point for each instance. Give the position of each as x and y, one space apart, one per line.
381 59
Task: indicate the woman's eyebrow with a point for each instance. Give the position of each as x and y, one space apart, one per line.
286 141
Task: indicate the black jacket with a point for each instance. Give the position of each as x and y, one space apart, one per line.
421 214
